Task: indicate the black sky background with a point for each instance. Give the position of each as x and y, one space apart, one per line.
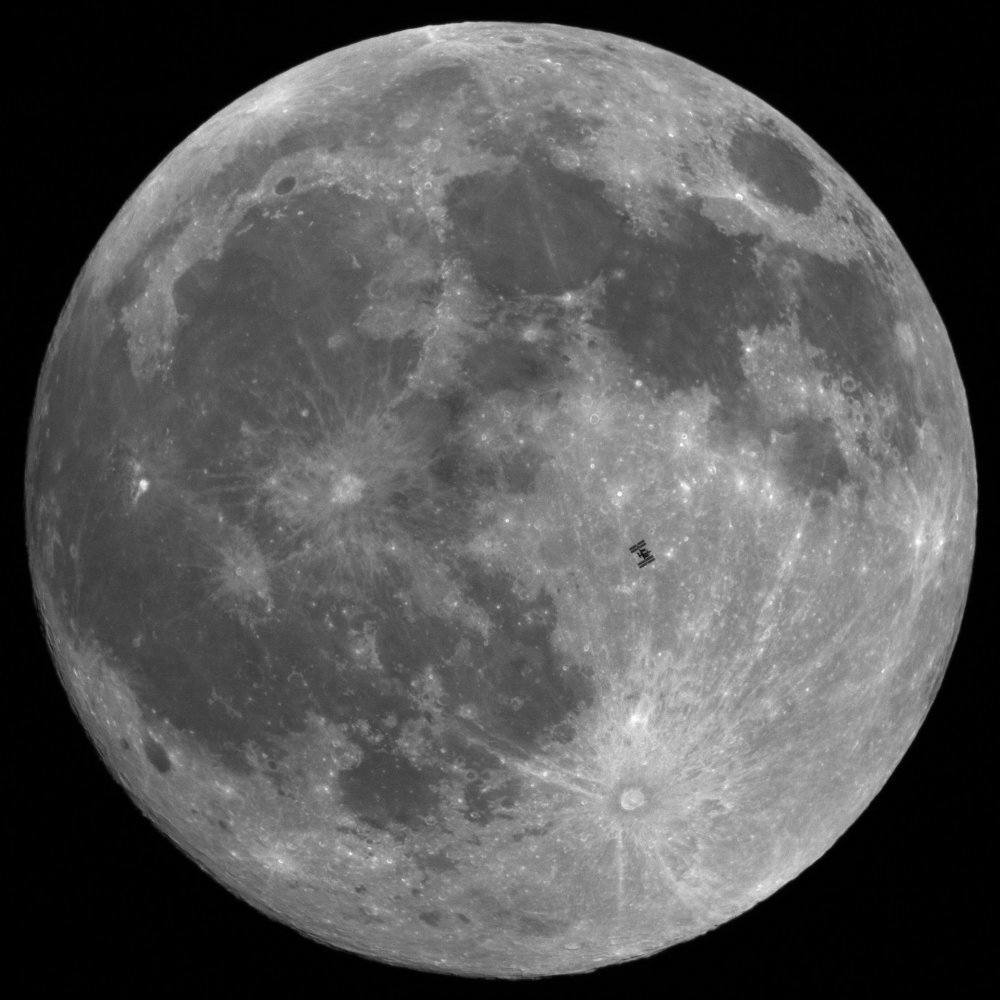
96 96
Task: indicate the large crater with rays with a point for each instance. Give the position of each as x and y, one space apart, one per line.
501 498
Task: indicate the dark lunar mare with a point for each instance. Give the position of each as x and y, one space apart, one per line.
779 171
251 357
252 371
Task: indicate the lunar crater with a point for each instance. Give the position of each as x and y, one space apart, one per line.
632 798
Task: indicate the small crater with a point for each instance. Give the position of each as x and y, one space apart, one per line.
285 185
632 798
347 489
156 755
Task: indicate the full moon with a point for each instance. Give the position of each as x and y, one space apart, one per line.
501 499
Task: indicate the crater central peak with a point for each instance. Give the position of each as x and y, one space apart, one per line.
347 489
632 798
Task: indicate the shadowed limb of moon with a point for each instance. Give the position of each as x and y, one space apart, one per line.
340 454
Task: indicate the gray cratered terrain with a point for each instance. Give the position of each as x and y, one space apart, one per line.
341 445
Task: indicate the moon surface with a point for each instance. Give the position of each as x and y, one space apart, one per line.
501 499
